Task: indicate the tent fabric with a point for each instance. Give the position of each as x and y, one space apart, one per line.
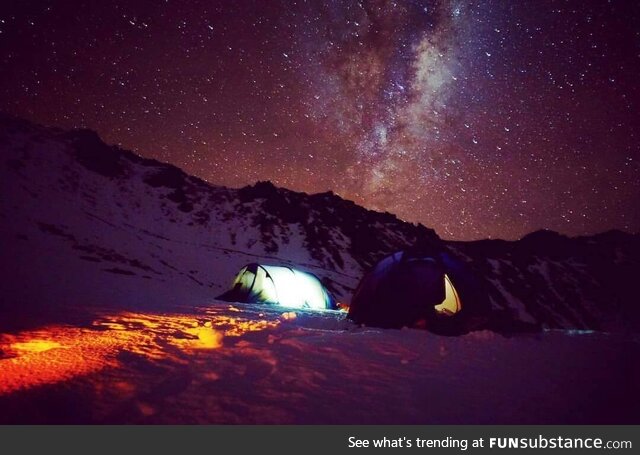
411 289
279 285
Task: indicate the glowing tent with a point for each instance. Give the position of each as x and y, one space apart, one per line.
417 290
278 285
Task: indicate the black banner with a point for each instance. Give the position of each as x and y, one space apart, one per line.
319 439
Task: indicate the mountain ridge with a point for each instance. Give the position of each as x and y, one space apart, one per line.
145 232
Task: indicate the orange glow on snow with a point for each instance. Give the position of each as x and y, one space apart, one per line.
35 346
208 338
58 353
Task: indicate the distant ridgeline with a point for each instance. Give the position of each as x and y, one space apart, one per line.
83 221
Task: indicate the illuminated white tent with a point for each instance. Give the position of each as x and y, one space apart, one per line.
278 285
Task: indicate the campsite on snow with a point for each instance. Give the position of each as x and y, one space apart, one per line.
135 293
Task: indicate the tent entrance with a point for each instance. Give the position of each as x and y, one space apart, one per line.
451 303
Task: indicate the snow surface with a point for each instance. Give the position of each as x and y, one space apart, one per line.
225 363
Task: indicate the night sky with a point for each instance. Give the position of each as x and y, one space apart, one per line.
478 119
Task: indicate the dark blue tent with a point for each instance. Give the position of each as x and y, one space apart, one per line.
413 289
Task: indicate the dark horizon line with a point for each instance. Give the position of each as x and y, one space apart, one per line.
4 115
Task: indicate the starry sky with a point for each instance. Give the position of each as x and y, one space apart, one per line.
480 119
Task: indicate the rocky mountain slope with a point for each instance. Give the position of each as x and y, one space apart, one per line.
85 223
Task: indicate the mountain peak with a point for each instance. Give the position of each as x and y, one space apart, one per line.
115 223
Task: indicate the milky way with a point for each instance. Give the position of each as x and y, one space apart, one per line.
479 119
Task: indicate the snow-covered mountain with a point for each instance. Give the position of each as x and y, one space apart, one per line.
85 223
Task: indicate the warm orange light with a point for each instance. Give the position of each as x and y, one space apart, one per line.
207 338
343 307
58 353
288 316
451 303
35 345
51 355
